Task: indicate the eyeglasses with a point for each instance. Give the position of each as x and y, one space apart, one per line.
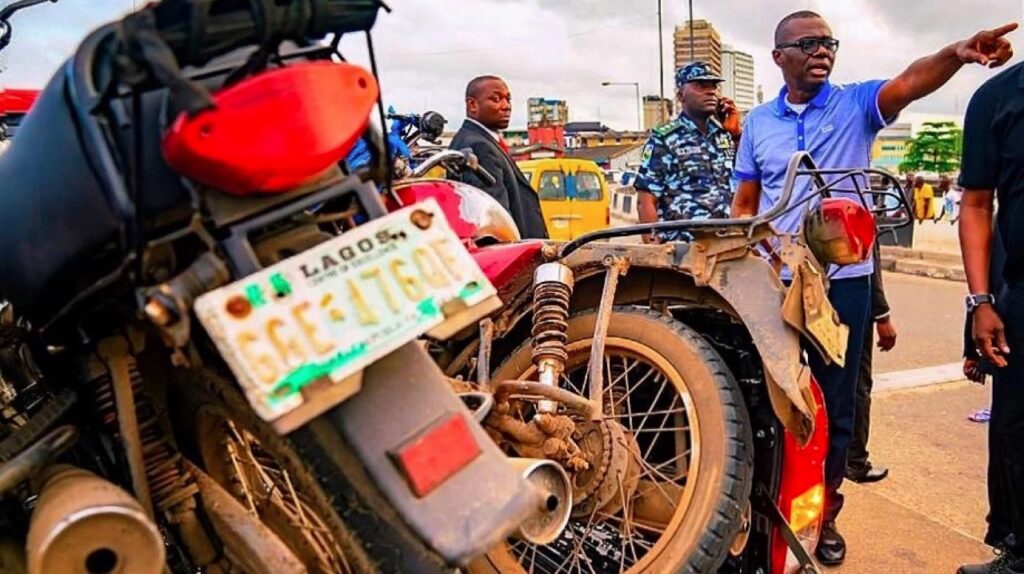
810 46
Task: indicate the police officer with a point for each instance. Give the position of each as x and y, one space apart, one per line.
687 163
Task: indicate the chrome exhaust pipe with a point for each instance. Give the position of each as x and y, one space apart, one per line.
554 499
83 523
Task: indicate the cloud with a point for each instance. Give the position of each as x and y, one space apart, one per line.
428 49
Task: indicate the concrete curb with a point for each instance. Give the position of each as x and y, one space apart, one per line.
914 378
937 265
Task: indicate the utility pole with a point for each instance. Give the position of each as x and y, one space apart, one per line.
693 54
661 69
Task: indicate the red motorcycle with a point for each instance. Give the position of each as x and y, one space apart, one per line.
667 380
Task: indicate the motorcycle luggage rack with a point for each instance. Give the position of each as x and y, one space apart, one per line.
800 165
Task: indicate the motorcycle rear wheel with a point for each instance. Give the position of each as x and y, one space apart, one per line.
676 400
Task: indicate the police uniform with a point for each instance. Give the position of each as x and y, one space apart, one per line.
688 172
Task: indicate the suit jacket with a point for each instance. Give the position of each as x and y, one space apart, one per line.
512 189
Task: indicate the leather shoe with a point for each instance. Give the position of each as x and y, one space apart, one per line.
831 550
1007 562
867 475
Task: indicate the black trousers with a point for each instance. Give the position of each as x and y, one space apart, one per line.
857 459
1006 429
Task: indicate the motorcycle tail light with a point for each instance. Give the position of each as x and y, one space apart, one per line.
840 231
274 131
802 490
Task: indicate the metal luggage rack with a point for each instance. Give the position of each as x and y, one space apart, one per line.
800 165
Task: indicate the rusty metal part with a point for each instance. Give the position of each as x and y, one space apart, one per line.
614 473
526 390
483 362
170 485
83 523
115 354
169 304
554 499
616 267
651 506
36 457
739 544
478 403
552 294
250 543
545 436
708 249
808 310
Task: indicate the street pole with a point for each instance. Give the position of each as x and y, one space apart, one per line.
661 69
693 55
639 109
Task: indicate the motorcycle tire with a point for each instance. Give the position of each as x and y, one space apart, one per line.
708 514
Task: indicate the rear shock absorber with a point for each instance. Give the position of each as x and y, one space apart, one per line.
552 291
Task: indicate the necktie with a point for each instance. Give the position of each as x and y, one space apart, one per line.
503 144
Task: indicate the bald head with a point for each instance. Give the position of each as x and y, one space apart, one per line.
780 29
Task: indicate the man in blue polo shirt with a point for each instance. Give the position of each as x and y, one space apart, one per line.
837 125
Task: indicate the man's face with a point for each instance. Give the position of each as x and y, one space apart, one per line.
808 71
491 105
699 98
919 182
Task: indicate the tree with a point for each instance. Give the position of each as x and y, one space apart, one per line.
935 148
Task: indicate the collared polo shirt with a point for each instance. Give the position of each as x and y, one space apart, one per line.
837 128
993 158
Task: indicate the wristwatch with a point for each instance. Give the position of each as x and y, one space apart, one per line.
975 301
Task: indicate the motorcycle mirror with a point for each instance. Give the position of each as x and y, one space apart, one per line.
432 126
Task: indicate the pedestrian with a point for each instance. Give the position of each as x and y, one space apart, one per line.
858 464
687 163
488 110
924 198
837 125
991 169
944 188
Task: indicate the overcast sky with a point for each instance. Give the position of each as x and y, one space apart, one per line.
428 49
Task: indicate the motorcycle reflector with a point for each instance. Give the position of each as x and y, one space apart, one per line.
274 131
841 231
437 454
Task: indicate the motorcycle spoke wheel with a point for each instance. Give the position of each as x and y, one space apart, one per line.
650 401
236 460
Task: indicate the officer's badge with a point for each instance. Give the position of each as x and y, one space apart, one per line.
648 151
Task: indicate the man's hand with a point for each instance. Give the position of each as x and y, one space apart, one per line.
730 117
886 334
988 47
990 335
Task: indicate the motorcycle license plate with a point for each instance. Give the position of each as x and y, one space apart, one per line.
316 319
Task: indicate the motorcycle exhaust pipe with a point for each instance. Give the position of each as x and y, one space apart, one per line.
554 499
83 524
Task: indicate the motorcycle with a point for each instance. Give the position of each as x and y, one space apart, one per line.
208 361
668 381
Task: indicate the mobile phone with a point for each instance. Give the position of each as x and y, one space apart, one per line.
720 110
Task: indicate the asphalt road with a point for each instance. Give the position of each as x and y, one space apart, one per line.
929 318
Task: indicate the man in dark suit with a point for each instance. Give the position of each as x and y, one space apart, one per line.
488 109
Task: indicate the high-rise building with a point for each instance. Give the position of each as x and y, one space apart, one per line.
738 71
655 114
546 119
707 45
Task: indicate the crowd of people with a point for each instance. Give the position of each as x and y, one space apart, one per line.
687 171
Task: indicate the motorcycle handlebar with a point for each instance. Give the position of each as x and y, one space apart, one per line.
198 32
7 11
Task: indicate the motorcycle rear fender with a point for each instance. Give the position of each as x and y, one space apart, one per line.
404 398
740 283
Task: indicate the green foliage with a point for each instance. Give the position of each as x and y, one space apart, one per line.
935 148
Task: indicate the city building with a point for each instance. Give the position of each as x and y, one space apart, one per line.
655 114
738 71
546 121
618 158
707 45
516 137
891 146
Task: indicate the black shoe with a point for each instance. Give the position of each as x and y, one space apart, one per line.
1007 562
831 550
867 475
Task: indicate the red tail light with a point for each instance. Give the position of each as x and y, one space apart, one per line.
274 131
802 489
841 231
